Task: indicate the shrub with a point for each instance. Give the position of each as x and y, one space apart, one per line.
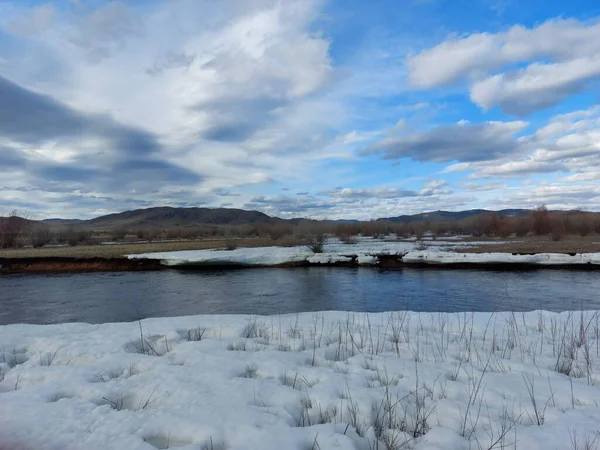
580 223
231 244
74 238
506 226
418 229
279 230
346 229
173 233
290 241
11 230
523 226
40 235
316 242
541 220
375 228
118 234
401 229
559 230
149 234
486 224
439 228
348 239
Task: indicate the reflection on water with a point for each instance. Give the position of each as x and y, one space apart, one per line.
115 297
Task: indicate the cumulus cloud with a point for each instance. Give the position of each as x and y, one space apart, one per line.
537 86
115 104
561 57
33 118
171 60
33 21
460 142
553 196
347 193
437 187
115 151
104 30
359 203
56 149
568 142
180 99
286 206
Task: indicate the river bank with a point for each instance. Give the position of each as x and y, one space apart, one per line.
420 260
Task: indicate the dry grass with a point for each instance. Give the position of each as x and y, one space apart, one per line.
539 244
119 250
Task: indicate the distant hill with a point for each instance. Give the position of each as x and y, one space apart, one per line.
18 222
61 220
457 215
169 217
166 217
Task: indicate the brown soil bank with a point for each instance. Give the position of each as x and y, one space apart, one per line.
75 265
79 265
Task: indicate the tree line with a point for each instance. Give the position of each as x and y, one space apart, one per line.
16 231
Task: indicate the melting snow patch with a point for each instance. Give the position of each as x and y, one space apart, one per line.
365 252
430 257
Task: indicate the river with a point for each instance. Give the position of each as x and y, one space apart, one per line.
128 296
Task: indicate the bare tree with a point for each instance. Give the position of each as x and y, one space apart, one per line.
118 234
315 242
40 235
541 220
11 230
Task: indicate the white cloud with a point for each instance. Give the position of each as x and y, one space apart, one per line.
363 204
33 21
460 142
186 102
105 30
230 91
535 87
568 142
554 196
591 175
561 56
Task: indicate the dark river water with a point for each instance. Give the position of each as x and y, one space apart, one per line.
128 296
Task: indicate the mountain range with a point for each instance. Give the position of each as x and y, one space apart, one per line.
166 217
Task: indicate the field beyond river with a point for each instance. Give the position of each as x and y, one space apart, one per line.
386 251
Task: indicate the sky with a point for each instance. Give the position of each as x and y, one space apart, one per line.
326 109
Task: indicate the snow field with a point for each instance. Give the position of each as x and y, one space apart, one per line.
544 259
330 380
365 252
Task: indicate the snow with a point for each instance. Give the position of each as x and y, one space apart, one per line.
330 380
242 256
549 259
365 251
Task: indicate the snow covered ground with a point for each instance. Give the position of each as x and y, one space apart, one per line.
365 252
548 259
331 380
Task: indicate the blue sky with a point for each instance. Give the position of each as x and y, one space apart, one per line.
313 108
